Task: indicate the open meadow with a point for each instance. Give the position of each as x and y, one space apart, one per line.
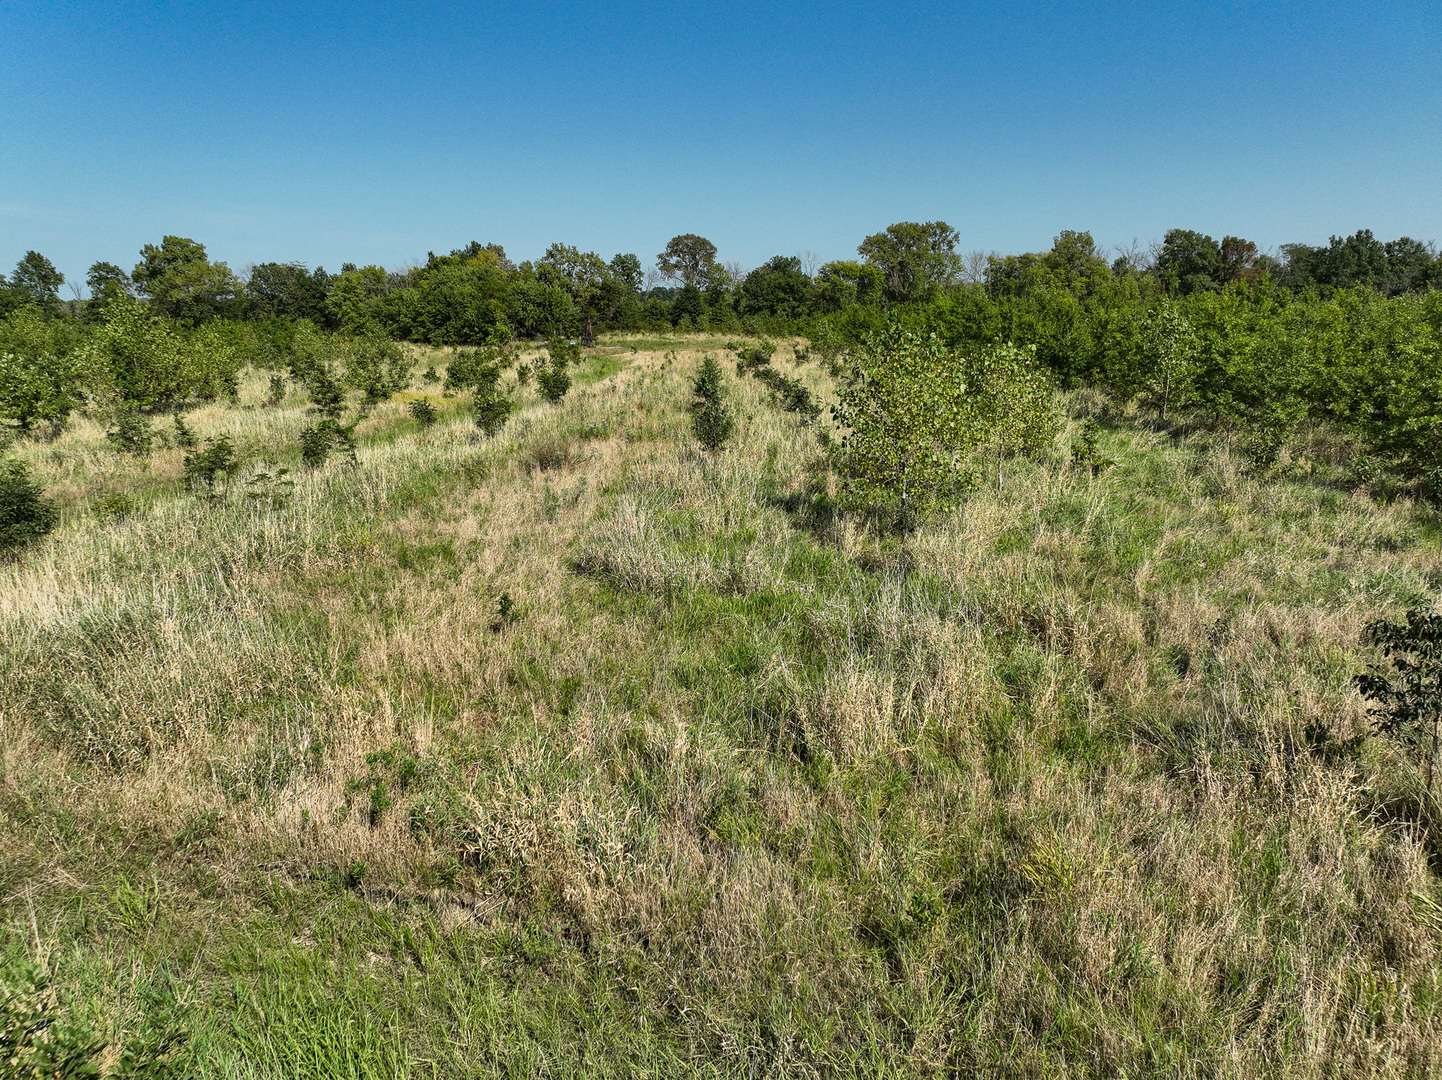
578 750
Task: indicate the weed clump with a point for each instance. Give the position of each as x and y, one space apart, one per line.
423 412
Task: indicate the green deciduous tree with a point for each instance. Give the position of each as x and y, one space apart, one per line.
916 259
907 424
182 283
779 287
107 283
40 374
1013 403
1168 350
688 258
36 279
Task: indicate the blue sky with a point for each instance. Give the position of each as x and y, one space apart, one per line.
371 132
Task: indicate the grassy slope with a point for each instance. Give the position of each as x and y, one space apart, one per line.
736 789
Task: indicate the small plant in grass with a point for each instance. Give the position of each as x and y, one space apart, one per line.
1085 452
39 1041
1408 697
554 380
711 420
492 405
271 490
204 469
319 440
507 612
25 514
748 358
523 374
275 394
118 504
36 1039
130 432
184 437
423 412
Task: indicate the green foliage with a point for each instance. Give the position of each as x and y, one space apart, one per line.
151 362
422 412
377 367
1013 403
1167 354
778 287
1086 451
470 368
38 1041
25 514
915 259
318 441
492 405
1409 697
184 436
40 374
183 284
130 431
908 427
554 378
204 468
36 279
711 420
688 258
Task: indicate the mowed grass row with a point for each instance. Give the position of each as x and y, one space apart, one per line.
579 751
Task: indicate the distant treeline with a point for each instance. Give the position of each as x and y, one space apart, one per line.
477 296
1347 334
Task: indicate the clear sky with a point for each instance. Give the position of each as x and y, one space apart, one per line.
374 132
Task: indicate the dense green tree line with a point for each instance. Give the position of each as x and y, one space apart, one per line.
1345 334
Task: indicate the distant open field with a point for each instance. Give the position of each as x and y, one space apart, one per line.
579 751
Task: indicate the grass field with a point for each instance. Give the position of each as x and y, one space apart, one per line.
580 752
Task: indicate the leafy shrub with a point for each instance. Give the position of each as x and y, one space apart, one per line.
377 367
753 356
204 469
492 405
37 1041
129 431
117 504
275 394
1085 452
1409 708
907 427
423 412
469 368
273 490
554 380
25 514
317 442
